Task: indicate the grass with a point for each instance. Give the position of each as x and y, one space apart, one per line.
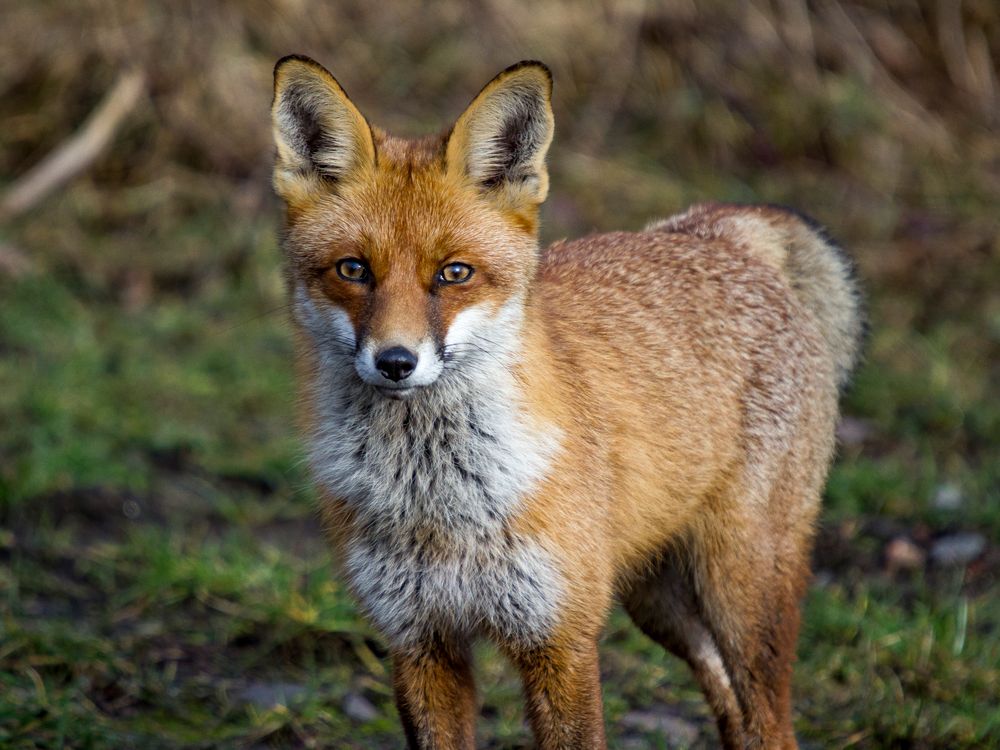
163 580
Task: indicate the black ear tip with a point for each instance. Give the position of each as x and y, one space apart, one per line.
303 59
537 64
293 58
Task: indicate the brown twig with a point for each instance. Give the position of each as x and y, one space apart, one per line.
911 115
76 154
967 58
613 84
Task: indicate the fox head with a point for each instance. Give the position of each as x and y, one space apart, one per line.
409 258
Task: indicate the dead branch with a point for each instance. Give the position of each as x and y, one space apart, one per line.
77 153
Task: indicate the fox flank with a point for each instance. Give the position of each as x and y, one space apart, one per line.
508 439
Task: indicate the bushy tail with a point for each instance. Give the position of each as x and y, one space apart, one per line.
823 276
818 269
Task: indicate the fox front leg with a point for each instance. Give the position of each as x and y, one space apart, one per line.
436 696
562 686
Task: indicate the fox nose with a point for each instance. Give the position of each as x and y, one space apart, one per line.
396 363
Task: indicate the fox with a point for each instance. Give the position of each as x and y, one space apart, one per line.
508 441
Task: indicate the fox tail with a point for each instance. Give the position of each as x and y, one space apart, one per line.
817 268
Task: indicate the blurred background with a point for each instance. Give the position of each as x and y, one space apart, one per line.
162 579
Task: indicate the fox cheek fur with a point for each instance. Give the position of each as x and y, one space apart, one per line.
505 438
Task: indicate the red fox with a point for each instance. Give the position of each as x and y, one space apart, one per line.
507 439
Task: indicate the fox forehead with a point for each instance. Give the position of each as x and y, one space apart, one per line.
408 210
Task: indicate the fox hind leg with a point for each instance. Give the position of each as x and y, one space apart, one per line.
750 586
664 606
733 616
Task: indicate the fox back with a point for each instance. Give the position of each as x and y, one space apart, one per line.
505 439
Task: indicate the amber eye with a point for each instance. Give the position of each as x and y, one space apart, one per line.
455 273
352 269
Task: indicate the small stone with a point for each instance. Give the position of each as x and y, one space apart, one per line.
948 497
902 554
131 509
359 708
675 728
268 695
958 549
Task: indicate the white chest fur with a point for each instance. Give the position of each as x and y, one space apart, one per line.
486 583
435 481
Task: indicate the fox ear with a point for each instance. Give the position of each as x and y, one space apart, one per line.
500 141
317 129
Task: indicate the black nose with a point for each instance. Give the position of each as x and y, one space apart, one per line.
396 363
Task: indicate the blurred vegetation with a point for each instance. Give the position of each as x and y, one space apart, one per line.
162 579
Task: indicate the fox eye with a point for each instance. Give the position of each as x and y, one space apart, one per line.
352 269
455 273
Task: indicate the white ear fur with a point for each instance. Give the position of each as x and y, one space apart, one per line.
499 143
317 129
